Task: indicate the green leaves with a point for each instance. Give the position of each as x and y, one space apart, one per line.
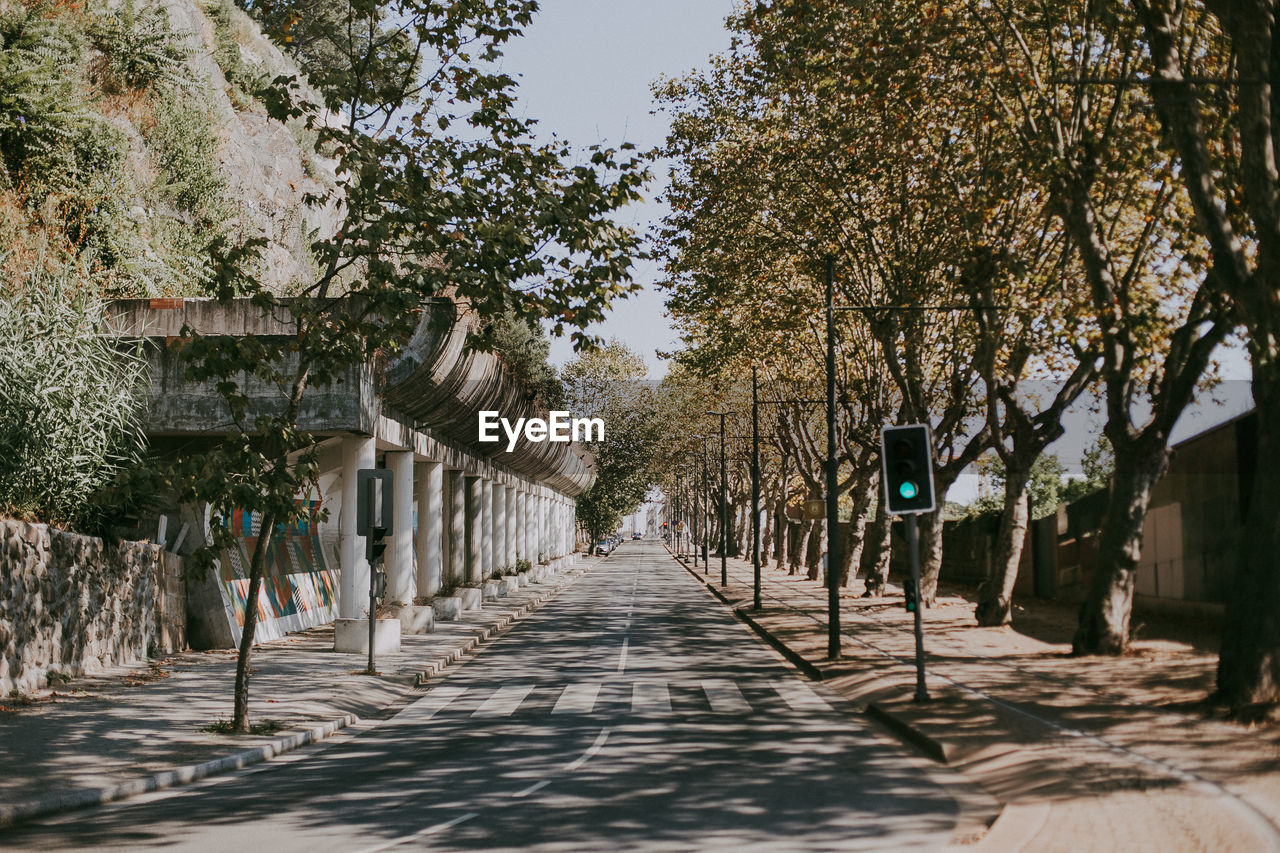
71 398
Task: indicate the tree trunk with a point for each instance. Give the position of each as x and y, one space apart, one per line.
813 558
800 551
878 559
240 712
995 597
1104 615
931 541
1249 663
930 555
780 538
864 491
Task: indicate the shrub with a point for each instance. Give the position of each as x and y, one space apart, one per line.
70 401
139 50
186 152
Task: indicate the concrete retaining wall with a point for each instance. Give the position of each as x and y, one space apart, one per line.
74 604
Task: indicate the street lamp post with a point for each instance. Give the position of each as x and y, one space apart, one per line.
755 486
724 505
833 506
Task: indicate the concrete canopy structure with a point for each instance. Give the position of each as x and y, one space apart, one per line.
473 508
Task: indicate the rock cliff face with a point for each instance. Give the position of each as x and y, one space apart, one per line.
129 172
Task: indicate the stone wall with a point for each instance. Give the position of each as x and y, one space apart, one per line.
74 604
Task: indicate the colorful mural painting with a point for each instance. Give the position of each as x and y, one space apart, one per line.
298 588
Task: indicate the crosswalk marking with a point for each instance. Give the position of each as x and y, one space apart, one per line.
505 701
428 706
650 697
800 697
724 696
578 698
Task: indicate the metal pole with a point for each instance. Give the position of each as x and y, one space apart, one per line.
833 506
706 513
723 511
913 551
693 541
755 485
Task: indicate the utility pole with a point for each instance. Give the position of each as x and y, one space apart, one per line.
755 485
833 505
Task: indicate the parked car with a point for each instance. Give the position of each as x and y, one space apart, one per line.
602 548
635 536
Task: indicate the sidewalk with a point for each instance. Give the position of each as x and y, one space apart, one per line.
1084 753
103 738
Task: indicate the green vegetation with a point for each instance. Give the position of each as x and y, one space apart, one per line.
139 50
608 383
70 402
524 349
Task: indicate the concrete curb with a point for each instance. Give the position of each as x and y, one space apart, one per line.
13 813
899 727
796 660
906 732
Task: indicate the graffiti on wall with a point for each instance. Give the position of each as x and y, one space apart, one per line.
298 588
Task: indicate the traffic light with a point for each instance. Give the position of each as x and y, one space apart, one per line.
374 544
909 589
906 460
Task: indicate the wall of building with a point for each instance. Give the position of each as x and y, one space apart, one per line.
75 604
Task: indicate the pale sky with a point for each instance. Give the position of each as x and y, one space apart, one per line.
585 67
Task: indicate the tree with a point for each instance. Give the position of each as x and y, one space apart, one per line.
1211 82
445 198
608 383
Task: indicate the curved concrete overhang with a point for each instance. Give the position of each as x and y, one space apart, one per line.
437 380
434 385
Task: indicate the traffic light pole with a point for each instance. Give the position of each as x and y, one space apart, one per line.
913 551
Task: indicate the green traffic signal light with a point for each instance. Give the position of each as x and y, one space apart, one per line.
908 490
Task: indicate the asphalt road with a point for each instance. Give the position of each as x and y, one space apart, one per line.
630 713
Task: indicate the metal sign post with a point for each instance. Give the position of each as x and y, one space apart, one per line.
374 516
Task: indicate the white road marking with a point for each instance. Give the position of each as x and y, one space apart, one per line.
430 830
622 655
578 698
532 789
428 706
800 697
504 702
724 696
591 751
648 697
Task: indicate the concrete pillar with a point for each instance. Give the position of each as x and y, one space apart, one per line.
499 526
486 528
455 526
475 530
509 534
402 582
430 488
544 526
353 586
522 526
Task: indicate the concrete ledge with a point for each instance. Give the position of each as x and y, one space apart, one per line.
351 636
511 585
447 608
523 579
905 731
417 619
492 590
471 598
